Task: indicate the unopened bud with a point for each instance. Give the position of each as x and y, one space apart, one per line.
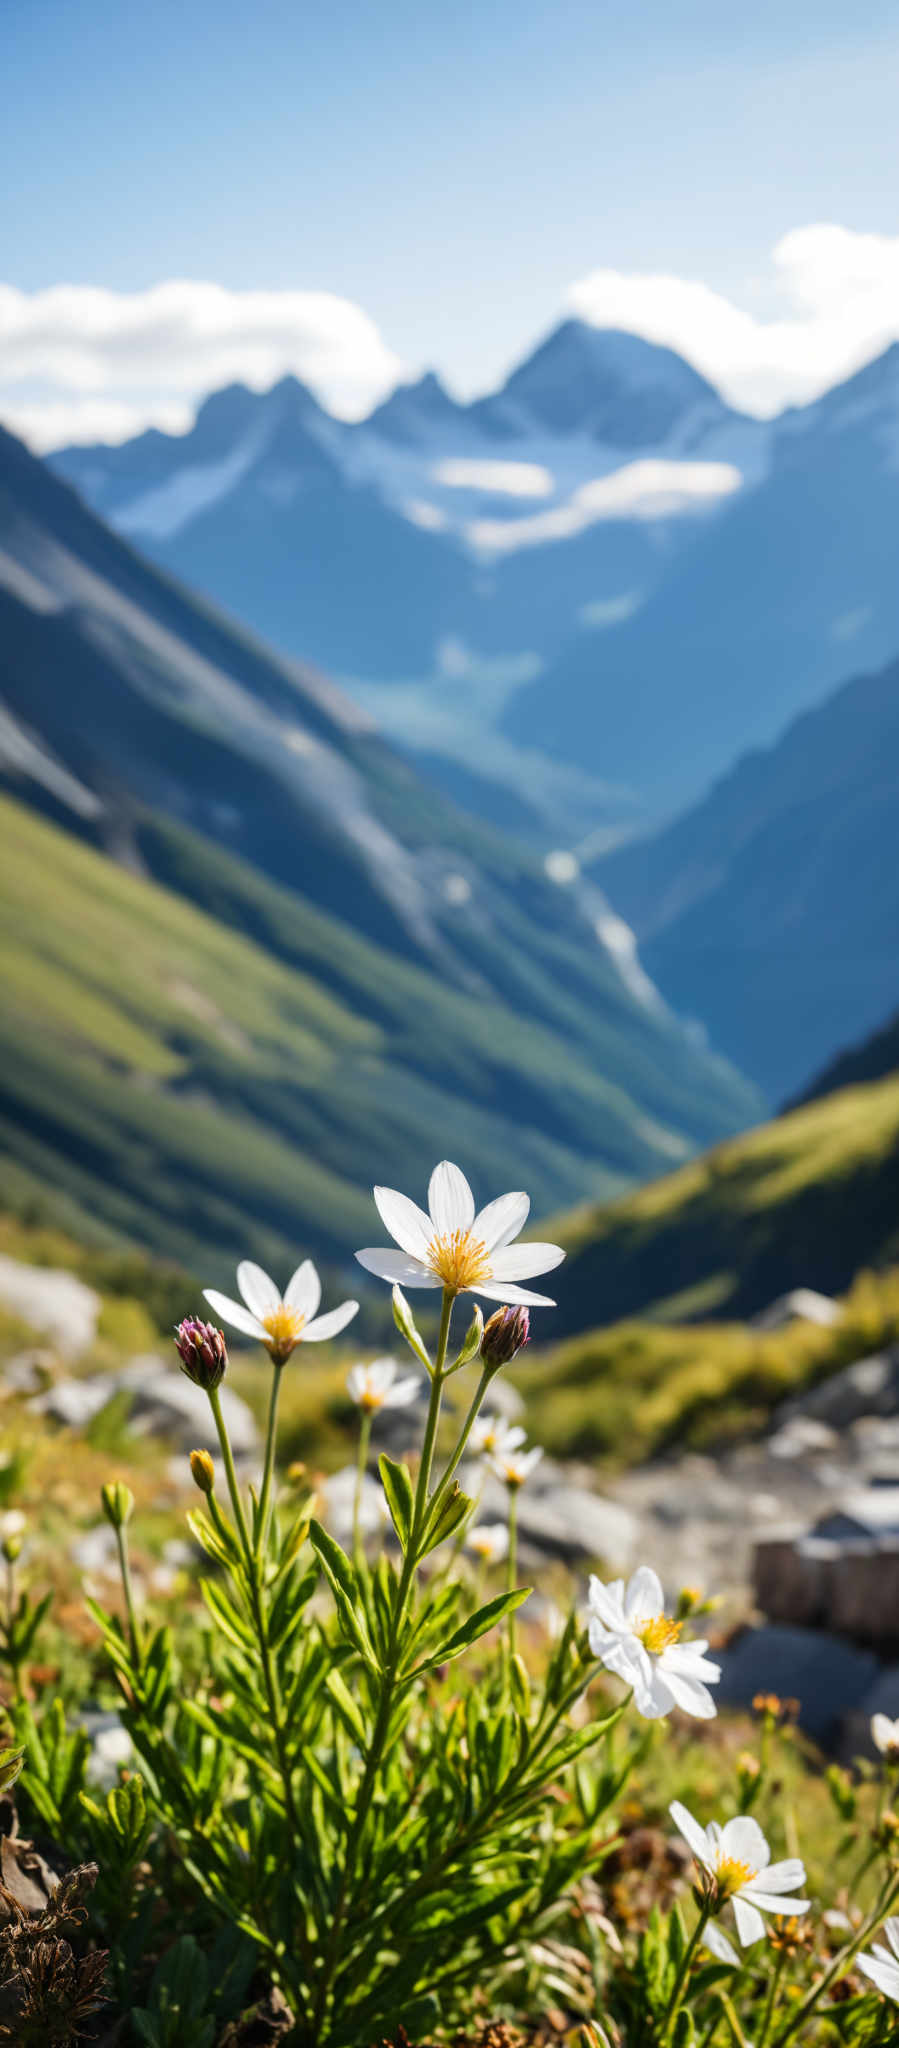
118 1502
202 1351
505 1334
12 1530
12 1548
202 1471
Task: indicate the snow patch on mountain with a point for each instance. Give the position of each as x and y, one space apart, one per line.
161 513
645 490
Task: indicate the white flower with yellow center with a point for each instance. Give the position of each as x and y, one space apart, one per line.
736 1864
632 1635
488 1541
280 1321
491 1437
513 1466
453 1248
882 1964
376 1386
885 1736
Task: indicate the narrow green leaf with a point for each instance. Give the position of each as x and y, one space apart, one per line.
402 1316
227 1618
399 1495
476 1626
451 1512
345 1588
346 1707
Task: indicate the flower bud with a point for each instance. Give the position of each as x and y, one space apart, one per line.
118 1502
505 1334
202 1471
12 1548
202 1351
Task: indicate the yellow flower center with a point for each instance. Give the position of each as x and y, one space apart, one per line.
659 1634
459 1260
284 1327
370 1400
731 1875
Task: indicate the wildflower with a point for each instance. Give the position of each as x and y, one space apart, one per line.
631 1634
202 1351
491 1436
202 1471
376 1386
455 1249
505 1334
12 1530
280 1322
514 1466
118 1502
885 1737
882 1964
735 1865
489 1541
789 1937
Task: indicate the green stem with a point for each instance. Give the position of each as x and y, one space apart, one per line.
128 1590
680 1982
841 1962
512 1571
773 1988
230 1474
487 1375
361 1463
269 1466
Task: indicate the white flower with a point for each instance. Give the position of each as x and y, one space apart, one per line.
376 1386
491 1437
489 1540
280 1321
885 1736
715 1940
456 1249
880 1964
514 1466
12 1523
631 1635
736 1858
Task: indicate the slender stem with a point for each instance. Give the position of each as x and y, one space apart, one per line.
487 1375
736 2032
361 1463
269 1466
512 1572
128 1590
230 1474
773 1988
680 1982
841 1961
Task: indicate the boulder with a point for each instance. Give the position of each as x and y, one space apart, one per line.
801 1305
164 1402
55 1303
868 1387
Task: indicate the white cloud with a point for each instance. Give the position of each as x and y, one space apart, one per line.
650 489
841 308
504 479
142 357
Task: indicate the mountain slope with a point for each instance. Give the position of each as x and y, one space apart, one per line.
771 910
764 611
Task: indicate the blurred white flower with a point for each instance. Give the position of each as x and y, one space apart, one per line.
491 1437
514 1466
715 1940
736 1858
12 1523
882 1964
376 1386
455 1249
110 1750
885 1736
488 1540
279 1322
631 1635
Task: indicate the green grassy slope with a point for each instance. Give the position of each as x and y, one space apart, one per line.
180 1086
803 1201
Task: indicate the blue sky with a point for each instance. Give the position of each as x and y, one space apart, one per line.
454 172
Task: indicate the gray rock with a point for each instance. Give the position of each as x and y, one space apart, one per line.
868 1511
28 1372
801 1305
96 1550
56 1303
111 1747
803 1436
166 1403
828 1677
868 1387
75 1402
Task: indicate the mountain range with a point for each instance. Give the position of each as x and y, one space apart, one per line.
278 966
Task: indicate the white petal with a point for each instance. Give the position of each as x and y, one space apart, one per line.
233 1312
304 1290
682 1659
514 1297
652 1697
772 1902
357 1382
694 1835
715 1940
891 1929
784 1877
742 1839
450 1199
644 1598
331 1324
688 1693
607 1602
618 1653
501 1220
884 1732
406 1222
750 1925
522 1261
397 1267
259 1292
402 1392
382 1373
884 1975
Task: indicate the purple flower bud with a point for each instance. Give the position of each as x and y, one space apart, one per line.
202 1351
505 1334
